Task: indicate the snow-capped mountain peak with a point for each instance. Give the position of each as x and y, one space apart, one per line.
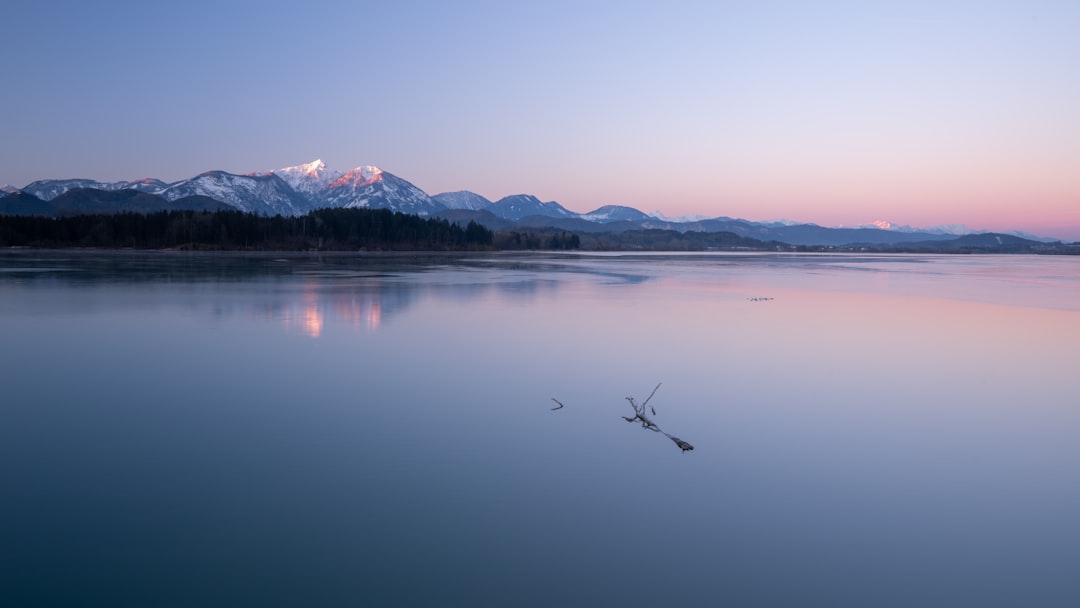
315 167
371 187
358 177
309 178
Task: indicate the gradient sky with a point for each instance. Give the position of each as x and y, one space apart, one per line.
837 113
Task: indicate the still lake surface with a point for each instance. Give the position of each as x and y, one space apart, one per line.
192 429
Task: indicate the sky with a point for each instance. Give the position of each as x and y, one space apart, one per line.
837 113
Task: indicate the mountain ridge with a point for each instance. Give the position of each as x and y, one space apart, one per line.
299 189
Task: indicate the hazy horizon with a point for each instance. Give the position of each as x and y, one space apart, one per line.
838 114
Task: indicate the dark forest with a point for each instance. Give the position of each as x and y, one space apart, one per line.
324 229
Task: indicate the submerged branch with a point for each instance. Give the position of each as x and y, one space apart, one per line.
685 445
639 414
646 422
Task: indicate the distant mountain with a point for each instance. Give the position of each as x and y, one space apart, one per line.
462 199
950 230
680 219
267 194
809 234
87 201
152 186
517 206
575 224
374 188
988 241
49 189
8 189
616 213
288 191
298 189
311 179
24 203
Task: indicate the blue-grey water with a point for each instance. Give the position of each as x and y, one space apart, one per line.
359 430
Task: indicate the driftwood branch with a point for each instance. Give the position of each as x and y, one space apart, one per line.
647 423
686 447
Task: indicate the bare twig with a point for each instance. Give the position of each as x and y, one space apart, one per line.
639 415
651 395
646 422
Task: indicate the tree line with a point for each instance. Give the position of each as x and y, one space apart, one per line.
323 229
334 230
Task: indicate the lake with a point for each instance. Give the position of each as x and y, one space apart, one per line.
184 429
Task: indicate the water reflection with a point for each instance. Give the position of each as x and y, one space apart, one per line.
312 318
358 309
318 293
309 294
377 430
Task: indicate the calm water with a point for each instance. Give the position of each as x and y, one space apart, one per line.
180 430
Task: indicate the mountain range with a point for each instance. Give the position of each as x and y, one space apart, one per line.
302 188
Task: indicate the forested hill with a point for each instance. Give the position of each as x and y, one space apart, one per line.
324 229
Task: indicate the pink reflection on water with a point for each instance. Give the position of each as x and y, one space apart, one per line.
312 311
360 311
313 319
305 314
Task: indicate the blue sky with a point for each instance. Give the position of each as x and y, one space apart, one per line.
838 113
